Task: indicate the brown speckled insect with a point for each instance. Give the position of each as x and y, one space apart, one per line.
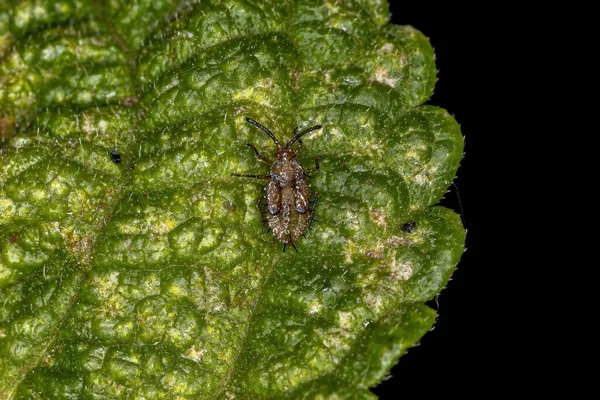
287 195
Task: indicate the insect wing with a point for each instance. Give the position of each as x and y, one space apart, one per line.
301 194
273 198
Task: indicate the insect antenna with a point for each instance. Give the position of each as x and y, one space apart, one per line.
299 135
253 122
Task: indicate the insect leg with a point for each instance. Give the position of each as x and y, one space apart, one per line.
314 202
252 176
292 243
312 210
265 222
258 155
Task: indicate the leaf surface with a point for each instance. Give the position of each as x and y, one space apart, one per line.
150 278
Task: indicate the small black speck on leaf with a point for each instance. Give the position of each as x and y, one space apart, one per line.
409 226
115 156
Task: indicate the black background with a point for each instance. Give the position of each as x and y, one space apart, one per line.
456 357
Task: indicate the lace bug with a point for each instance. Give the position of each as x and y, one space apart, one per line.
287 200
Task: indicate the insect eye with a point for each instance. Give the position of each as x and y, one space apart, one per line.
273 209
301 210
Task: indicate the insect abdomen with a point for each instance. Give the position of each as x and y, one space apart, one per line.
289 225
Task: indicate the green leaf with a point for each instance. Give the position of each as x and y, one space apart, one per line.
151 278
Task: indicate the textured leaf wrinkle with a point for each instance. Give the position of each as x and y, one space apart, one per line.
287 199
180 301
